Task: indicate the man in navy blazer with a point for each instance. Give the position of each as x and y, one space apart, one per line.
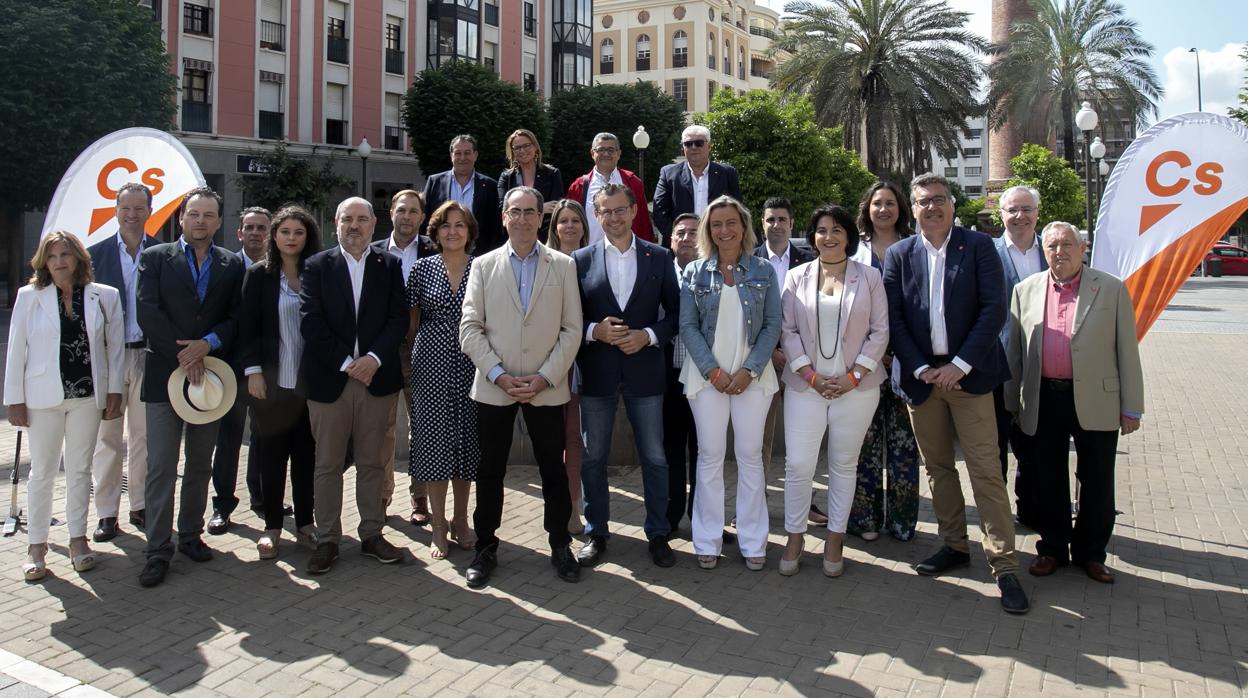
353 316
187 302
1021 256
471 188
686 187
631 304
946 306
115 262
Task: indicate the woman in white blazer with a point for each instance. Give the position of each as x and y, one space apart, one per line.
64 372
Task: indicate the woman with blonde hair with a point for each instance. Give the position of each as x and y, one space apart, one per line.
524 154
730 323
64 373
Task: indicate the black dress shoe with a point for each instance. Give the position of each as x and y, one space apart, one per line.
730 538
195 549
661 552
153 572
1013 598
566 566
219 523
106 530
138 519
323 559
591 553
478 573
944 560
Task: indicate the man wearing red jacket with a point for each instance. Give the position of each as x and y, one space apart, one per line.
606 154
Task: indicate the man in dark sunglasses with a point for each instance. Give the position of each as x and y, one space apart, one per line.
686 187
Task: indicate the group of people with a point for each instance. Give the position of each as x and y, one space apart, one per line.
891 332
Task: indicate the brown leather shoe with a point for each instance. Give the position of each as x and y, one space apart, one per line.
381 550
1043 566
420 512
1098 572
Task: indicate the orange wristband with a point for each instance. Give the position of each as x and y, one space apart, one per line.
715 375
813 377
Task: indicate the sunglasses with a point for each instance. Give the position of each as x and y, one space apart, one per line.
694 143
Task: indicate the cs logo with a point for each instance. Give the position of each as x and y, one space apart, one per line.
151 178
1168 175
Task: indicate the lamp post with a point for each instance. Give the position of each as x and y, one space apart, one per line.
1200 102
1097 151
364 150
1085 120
1102 171
641 141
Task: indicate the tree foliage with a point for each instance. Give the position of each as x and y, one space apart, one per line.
1071 50
466 97
285 179
1061 190
72 71
1241 112
900 75
779 150
578 115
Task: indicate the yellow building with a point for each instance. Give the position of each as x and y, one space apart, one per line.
692 48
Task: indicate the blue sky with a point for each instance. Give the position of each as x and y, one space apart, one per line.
1218 28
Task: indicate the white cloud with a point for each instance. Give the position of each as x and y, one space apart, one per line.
1221 77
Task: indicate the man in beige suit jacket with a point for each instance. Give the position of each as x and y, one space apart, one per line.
521 327
1076 373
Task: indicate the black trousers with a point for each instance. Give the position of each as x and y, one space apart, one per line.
545 425
1011 438
225 459
680 446
281 432
1095 452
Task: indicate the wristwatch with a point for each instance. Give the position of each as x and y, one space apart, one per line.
753 374
857 376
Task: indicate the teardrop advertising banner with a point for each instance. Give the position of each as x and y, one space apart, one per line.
86 199
1174 192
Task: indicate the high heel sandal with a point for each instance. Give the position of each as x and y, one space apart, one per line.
267 545
438 547
466 540
35 569
83 561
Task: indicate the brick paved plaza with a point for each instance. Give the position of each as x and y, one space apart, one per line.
1176 622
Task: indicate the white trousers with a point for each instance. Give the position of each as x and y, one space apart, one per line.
106 464
712 411
72 426
807 415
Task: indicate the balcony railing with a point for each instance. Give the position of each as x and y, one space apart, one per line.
760 73
335 132
272 35
763 31
197 19
394 138
197 116
394 61
530 82
491 14
271 123
606 67
337 49
643 63
680 60
530 26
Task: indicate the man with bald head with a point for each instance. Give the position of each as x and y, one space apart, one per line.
353 317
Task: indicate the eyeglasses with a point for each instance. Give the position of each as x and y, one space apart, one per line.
617 212
515 213
1025 210
520 147
936 201
606 150
694 143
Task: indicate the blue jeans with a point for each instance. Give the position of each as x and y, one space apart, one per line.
597 422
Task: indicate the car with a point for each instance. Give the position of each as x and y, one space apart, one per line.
1234 259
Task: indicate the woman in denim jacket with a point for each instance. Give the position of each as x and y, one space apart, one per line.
729 322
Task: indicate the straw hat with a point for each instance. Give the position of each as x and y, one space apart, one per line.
208 401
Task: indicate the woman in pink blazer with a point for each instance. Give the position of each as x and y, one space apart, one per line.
834 335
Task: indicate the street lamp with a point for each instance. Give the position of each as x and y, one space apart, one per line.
641 141
364 150
1097 151
1086 119
1200 102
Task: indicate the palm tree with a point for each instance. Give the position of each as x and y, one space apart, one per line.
1070 51
899 75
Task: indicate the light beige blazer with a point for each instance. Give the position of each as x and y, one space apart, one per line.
32 373
864 322
494 330
1105 355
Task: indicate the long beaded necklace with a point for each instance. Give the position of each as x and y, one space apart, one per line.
839 306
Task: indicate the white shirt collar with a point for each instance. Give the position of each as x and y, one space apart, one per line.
932 248
1009 242
788 247
632 244
351 258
